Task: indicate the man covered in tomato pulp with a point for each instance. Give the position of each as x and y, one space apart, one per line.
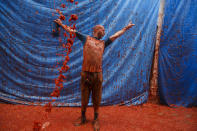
91 75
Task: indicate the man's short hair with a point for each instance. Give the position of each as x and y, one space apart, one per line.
98 27
101 29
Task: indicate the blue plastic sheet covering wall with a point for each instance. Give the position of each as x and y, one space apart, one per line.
28 50
178 54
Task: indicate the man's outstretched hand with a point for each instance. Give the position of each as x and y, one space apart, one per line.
58 21
129 25
67 28
120 32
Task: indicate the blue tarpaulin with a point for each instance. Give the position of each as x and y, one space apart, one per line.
178 54
28 50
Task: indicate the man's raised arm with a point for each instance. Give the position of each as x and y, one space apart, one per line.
67 28
120 32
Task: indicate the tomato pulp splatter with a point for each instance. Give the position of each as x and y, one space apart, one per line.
67 46
73 17
63 5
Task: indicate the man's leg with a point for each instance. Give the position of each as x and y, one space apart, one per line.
85 93
96 98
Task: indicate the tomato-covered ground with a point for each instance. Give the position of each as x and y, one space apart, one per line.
147 117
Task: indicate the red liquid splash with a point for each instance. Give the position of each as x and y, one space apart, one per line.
63 5
73 17
37 126
76 2
62 17
71 1
64 68
48 107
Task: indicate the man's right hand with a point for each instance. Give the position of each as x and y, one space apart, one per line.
58 21
67 28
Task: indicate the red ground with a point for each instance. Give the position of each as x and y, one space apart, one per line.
148 117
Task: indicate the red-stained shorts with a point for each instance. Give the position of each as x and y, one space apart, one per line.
91 82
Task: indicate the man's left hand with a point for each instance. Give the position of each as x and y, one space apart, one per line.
129 25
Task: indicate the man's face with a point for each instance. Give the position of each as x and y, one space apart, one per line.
98 31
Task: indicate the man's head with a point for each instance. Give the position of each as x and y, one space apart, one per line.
98 31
